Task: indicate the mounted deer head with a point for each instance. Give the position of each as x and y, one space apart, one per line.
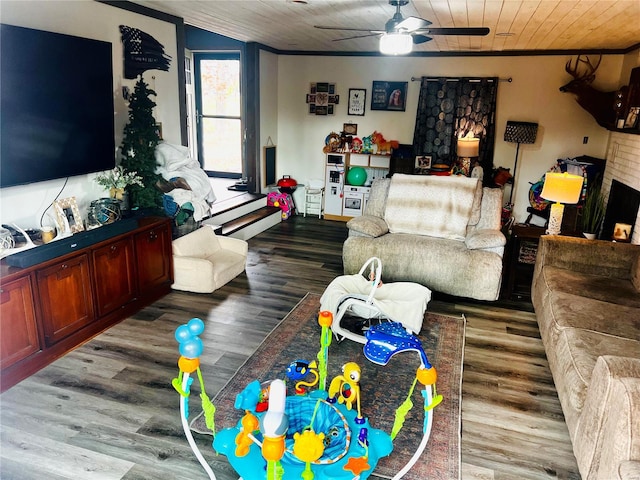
599 104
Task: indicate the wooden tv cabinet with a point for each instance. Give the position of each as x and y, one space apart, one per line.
52 307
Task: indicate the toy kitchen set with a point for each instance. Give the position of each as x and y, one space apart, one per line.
348 178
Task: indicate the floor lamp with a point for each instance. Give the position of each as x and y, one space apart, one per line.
519 132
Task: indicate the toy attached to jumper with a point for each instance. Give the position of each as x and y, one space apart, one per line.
318 435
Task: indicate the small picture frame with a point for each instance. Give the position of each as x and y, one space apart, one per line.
632 118
68 216
389 96
158 128
422 164
357 101
350 128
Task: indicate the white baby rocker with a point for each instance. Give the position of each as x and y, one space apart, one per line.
402 302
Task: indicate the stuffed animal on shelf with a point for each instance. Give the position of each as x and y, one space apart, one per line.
384 146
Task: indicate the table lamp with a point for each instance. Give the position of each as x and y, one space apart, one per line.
467 148
560 188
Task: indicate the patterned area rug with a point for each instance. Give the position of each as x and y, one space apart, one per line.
383 388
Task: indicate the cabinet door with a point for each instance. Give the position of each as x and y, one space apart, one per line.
18 331
379 161
153 257
65 298
113 274
359 160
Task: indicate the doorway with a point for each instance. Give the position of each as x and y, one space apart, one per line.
218 99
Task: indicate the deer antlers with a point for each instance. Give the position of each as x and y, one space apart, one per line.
589 74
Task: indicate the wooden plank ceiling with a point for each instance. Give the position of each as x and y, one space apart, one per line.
516 25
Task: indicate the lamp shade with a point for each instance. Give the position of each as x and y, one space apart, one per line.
468 147
396 44
520 132
562 187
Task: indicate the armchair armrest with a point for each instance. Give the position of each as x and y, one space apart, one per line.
368 225
630 470
595 257
235 245
484 238
606 442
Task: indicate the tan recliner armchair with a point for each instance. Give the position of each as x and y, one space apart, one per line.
204 261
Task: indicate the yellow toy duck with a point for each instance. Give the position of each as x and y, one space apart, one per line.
346 386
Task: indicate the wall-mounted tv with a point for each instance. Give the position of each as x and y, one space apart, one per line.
56 106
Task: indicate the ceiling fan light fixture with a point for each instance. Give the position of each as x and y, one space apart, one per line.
396 44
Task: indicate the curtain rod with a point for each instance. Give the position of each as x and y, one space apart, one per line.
417 79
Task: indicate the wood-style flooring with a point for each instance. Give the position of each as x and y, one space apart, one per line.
107 410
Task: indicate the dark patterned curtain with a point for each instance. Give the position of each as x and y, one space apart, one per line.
449 108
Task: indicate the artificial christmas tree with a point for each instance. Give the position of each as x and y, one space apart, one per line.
138 148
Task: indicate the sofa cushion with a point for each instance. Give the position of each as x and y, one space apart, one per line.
430 205
608 289
446 266
574 311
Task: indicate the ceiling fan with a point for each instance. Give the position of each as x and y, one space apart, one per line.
400 33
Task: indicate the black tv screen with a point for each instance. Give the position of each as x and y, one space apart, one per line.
56 106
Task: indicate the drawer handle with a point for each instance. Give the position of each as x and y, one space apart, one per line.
113 248
64 266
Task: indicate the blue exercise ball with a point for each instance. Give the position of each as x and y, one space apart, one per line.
356 176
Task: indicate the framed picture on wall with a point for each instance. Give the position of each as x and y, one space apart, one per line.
357 99
389 96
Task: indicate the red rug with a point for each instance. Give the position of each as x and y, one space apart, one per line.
383 388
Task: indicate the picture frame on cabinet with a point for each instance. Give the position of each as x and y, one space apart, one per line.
422 164
68 216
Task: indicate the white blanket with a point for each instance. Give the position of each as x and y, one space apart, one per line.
175 161
436 206
402 302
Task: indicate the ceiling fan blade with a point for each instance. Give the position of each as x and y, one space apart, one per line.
468 31
411 24
418 38
357 36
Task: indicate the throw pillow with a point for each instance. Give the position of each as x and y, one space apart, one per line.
378 197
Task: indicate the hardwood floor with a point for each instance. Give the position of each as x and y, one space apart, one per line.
107 410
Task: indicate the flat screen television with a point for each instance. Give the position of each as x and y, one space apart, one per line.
56 106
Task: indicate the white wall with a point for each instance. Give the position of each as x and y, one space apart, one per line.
25 205
532 96
268 108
